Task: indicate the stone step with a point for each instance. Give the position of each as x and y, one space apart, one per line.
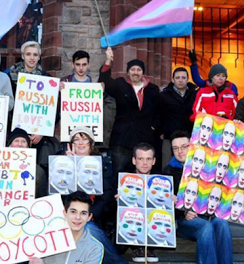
187 258
185 251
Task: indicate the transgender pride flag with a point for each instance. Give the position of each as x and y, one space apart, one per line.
157 19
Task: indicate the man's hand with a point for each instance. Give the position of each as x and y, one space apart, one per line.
35 139
193 57
109 56
36 261
174 198
61 86
190 215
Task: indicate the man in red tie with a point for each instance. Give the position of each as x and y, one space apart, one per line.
136 102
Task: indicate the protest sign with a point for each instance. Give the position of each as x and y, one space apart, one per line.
146 210
68 174
213 177
34 229
36 104
82 105
18 175
4 102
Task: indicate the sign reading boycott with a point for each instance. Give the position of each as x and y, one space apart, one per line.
17 175
34 229
82 105
36 104
4 101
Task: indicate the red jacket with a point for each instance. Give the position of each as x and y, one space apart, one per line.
212 102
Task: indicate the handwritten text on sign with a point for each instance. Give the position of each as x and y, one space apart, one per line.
82 105
33 229
36 104
17 175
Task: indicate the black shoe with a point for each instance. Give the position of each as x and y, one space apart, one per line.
138 254
151 256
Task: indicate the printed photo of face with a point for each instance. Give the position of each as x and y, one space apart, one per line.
214 199
229 134
131 189
160 226
131 224
205 130
190 194
221 167
237 206
241 176
159 191
198 162
89 173
62 173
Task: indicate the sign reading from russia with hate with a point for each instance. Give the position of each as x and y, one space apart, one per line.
82 105
36 104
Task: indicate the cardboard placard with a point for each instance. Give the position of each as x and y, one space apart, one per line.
82 105
34 229
146 210
36 104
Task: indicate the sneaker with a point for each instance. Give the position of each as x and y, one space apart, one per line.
151 256
138 255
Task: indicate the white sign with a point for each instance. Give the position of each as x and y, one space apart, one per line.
4 102
82 105
68 174
36 104
34 229
17 175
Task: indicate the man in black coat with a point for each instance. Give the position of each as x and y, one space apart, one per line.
136 103
175 108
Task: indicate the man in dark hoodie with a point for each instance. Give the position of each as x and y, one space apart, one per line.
136 103
175 108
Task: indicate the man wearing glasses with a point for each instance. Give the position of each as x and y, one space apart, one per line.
212 235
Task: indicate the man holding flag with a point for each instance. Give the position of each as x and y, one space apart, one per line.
136 103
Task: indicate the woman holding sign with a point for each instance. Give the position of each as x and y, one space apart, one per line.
82 144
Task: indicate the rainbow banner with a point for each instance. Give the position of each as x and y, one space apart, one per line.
157 19
213 177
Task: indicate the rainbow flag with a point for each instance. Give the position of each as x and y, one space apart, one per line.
157 19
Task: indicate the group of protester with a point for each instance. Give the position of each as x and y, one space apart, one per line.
143 116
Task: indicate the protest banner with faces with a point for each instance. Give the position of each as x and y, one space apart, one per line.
145 210
215 167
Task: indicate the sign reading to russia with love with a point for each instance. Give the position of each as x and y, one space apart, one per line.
82 105
36 104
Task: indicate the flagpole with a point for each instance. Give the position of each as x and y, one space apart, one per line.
191 43
101 20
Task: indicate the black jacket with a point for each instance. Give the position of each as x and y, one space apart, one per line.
175 110
240 110
131 125
176 173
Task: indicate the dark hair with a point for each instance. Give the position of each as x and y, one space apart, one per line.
94 150
180 134
180 69
77 196
143 146
80 54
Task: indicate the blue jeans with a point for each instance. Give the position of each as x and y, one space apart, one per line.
110 254
213 238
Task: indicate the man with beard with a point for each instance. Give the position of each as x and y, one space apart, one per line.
136 104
